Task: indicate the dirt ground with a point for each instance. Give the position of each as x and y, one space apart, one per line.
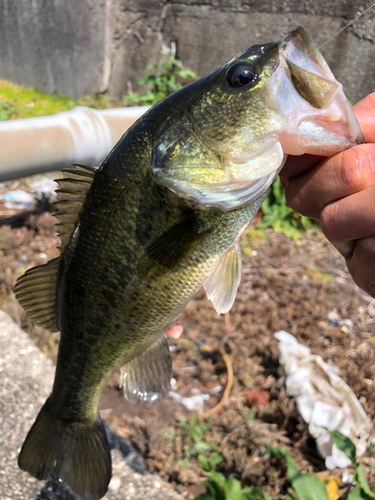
286 285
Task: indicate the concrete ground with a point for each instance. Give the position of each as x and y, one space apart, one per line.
26 378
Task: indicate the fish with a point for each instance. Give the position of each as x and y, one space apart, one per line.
162 216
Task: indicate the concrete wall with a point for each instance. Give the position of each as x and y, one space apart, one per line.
95 45
56 45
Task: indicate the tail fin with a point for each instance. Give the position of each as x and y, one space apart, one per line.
78 454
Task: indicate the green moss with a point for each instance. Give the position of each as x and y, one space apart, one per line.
253 239
20 102
314 273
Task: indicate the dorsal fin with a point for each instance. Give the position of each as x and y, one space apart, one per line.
70 199
36 289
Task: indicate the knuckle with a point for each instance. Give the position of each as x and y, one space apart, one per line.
330 220
354 170
293 199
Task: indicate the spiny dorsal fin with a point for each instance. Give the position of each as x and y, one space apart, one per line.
71 197
221 286
36 292
36 289
146 377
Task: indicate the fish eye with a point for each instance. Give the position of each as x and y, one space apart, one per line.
241 74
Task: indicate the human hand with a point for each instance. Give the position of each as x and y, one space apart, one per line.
340 193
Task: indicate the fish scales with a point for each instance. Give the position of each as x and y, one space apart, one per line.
161 217
107 308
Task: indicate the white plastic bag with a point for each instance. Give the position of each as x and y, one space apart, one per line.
323 399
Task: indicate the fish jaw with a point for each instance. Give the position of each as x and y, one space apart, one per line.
320 120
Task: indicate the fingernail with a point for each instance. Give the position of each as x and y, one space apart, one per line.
367 244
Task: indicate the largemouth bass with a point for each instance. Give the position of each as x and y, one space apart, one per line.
161 217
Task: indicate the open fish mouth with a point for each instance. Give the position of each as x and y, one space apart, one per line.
323 121
280 98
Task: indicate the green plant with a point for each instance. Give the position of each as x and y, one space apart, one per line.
7 110
251 416
164 80
361 490
310 487
197 445
169 435
278 215
220 487
306 486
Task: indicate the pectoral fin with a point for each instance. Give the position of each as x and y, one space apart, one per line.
172 247
146 377
221 286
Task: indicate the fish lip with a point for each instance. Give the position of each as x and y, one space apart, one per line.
298 47
300 34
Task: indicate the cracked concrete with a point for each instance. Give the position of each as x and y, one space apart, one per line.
26 378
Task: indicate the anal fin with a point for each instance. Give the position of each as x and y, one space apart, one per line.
221 286
146 377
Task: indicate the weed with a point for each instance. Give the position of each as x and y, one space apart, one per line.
310 487
361 490
169 435
164 79
251 416
197 445
306 486
220 487
278 215
7 110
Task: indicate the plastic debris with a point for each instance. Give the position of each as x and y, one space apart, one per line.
335 320
44 188
17 199
192 403
323 399
175 332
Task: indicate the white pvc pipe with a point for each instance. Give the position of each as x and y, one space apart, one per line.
83 135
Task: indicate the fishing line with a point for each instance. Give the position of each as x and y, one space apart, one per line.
351 22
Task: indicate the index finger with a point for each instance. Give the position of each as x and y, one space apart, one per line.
297 165
364 110
365 113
